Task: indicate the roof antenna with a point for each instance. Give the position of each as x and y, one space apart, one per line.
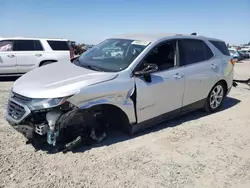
193 33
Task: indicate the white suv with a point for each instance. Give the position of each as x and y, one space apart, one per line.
156 77
20 55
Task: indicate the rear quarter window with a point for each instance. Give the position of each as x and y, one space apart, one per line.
59 45
221 46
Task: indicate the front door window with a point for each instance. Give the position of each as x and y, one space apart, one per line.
164 56
6 45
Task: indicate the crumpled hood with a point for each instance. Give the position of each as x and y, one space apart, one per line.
58 80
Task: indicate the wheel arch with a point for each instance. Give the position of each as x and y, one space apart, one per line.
224 83
50 60
113 113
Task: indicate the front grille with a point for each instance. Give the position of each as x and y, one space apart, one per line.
21 98
15 110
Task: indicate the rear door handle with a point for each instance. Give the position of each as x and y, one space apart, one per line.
11 55
38 55
178 76
213 66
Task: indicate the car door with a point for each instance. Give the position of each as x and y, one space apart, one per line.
29 53
199 67
7 58
162 91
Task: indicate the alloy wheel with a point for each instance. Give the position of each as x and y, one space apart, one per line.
216 97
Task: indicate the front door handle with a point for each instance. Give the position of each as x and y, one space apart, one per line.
178 76
11 55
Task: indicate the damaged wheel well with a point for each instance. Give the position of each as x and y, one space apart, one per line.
113 115
82 122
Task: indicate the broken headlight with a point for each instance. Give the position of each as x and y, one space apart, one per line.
38 104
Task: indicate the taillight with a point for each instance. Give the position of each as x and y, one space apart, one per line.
233 61
71 50
71 53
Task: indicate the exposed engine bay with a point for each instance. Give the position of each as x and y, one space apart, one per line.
64 126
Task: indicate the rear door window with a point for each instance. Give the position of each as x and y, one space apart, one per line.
59 45
193 51
24 45
38 46
208 52
27 45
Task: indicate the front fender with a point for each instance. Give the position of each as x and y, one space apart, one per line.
123 103
111 93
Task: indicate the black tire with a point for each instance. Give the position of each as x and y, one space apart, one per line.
46 63
70 132
221 96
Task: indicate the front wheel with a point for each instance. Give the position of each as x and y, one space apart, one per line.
215 98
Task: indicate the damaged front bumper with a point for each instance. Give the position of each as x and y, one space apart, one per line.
65 123
22 118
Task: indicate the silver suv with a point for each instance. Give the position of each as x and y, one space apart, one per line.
155 78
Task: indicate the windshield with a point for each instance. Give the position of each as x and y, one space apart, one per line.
111 55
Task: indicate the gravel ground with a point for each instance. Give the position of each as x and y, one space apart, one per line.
196 150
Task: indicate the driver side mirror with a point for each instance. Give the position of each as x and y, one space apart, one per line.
148 68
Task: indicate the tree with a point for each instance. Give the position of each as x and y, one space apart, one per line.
79 49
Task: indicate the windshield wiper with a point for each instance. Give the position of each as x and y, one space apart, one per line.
92 67
87 66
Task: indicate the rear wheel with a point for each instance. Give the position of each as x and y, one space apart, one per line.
215 98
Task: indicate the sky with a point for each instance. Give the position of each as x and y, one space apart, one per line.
91 21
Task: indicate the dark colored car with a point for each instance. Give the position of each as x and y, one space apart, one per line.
236 55
242 55
245 54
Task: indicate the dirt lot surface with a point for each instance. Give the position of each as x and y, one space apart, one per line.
197 150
